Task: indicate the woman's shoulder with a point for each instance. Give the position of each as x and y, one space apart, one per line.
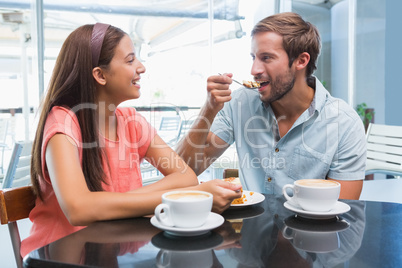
126 111
61 117
130 114
129 117
61 113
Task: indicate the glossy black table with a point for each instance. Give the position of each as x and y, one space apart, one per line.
262 235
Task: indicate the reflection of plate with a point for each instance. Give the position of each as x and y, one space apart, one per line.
322 226
185 243
339 208
214 220
252 199
233 214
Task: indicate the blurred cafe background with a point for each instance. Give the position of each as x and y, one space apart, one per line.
182 42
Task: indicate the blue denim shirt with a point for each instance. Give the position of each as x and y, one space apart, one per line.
327 140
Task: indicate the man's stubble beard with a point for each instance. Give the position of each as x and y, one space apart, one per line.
281 86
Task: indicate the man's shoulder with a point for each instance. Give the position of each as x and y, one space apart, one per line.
338 107
332 106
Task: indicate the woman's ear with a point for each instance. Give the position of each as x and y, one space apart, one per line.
302 60
99 76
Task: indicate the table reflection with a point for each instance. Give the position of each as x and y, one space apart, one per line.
264 244
177 252
314 236
101 243
263 235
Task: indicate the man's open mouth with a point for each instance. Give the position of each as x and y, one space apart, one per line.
264 83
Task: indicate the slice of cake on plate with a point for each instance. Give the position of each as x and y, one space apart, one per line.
236 180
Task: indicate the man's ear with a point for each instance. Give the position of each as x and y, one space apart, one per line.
302 60
99 76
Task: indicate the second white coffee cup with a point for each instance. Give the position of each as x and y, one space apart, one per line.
311 241
184 209
315 195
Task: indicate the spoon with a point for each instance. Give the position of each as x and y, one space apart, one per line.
234 80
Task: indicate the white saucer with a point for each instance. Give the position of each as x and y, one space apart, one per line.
322 226
339 208
187 243
252 199
214 220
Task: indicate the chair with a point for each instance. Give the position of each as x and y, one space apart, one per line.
230 172
18 172
184 128
3 137
149 173
170 123
169 129
384 149
16 204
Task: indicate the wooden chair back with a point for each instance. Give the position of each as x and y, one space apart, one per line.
230 172
15 205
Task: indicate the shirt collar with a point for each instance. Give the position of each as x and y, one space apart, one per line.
320 95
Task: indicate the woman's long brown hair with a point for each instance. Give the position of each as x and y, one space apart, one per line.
72 86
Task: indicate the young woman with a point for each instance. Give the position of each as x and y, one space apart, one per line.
87 151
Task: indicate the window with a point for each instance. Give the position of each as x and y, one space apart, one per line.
180 43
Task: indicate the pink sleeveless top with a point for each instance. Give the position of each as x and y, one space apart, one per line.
124 156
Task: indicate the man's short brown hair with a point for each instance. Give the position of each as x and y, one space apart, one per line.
298 36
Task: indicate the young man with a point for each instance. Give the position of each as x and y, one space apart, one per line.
292 128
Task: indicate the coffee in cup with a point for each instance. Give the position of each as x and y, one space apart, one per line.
184 209
316 195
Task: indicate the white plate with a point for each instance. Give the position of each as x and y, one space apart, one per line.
252 199
214 220
237 214
339 208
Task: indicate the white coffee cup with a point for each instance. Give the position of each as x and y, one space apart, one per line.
310 241
178 259
184 209
314 195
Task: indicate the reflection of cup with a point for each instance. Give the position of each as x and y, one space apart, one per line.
177 259
318 242
313 194
184 209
